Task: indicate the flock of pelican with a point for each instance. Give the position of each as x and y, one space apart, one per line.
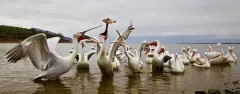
41 52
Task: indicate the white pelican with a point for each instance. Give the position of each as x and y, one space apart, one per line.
185 57
230 56
84 57
194 56
211 54
43 56
219 59
188 50
134 62
157 61
149 54
165 50
202 62
105 61
177 64
234 55
115 63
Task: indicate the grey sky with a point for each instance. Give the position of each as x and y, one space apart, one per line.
150 17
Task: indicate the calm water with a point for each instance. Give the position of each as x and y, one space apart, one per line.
17 78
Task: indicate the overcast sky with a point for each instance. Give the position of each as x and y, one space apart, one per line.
150 17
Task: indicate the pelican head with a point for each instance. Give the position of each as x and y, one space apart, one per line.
165 48
209 49
108 21
230 50
154 43
145 46
81 35
188 48
194 52
183 49
233 49
162 50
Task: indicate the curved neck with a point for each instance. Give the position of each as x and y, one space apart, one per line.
126 51
75 49
82 53
139 51
157 49
220 49
106 27
103 50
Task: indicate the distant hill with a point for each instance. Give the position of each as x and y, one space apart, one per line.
189 39
17 34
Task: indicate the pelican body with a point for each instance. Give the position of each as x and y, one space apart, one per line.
231 57
158 60
177 64
219 59
203 62
84 58
134 62
105 61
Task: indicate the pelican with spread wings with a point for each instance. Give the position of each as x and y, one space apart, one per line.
41 52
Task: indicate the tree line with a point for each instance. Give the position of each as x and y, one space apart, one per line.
18 34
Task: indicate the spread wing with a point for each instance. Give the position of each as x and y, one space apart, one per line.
52 43
34 47
115 45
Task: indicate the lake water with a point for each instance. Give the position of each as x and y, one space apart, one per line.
17 78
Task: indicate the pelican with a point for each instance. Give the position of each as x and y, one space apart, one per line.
84 57
149 54
105 61
219 59
116 63
188 50
177 64
210 54
165 50
234 55
43 56
230 56
194 56
157 61
134 62
185 57
202 62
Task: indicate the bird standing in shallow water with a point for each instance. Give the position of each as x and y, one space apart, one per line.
43 56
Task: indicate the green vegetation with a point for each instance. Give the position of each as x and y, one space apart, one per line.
18 34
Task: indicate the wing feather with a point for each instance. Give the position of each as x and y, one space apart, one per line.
115 45
52 43
34 47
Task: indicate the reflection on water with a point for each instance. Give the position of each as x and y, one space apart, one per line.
83 75
16 78
106 86
133 84
52 87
